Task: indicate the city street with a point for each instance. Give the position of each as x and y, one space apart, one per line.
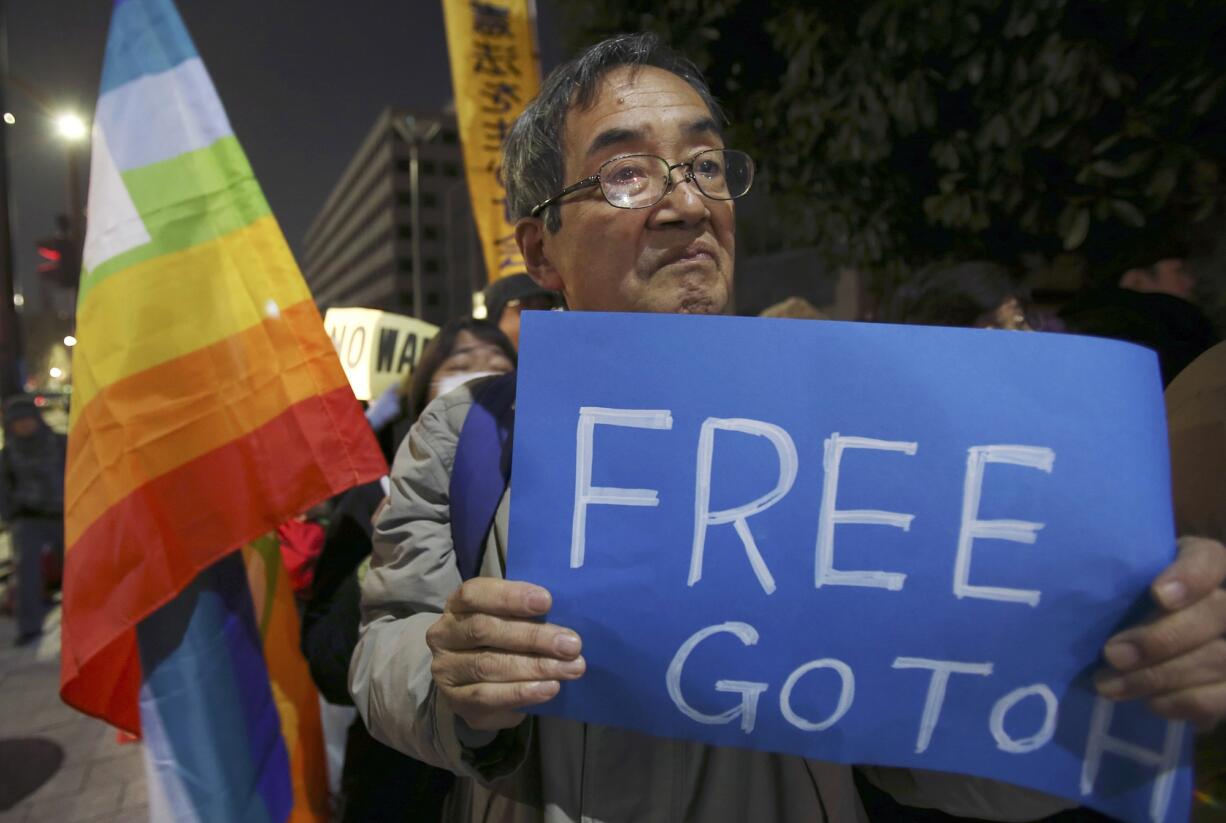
55 763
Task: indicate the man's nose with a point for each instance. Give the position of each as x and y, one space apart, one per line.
683 202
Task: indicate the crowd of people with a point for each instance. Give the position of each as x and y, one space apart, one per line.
622 189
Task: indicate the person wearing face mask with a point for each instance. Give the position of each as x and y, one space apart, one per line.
463 350
378 782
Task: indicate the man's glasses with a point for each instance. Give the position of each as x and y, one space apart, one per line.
638 181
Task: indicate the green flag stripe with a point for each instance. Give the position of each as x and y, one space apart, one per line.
187 200
187 176
189 225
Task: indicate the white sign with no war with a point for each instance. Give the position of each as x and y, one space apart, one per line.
376 348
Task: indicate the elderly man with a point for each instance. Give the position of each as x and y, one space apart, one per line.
623 189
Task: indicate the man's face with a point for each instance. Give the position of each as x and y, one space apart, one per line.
1172 277
675 256
1167 276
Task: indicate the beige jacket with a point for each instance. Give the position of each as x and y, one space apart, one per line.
558 771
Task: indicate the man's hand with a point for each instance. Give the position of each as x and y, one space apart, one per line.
491 657
1177 661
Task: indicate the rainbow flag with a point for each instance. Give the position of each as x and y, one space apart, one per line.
293 691
208 403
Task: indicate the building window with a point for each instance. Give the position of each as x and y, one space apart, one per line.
451 169
402 165
431 265
405 264
427 167
432 298
404 231
429 198
430 232
404 198
449 137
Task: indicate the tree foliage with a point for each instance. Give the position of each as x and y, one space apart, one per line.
892 132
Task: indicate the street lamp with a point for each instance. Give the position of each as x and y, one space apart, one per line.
70 341
72 130
70 127
415 131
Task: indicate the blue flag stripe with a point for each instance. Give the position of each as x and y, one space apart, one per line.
205 675
147 37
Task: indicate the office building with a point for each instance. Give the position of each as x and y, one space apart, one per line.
359 250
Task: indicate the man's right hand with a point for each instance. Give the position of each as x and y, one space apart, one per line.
492 657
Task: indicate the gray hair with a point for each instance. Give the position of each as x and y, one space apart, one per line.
532 162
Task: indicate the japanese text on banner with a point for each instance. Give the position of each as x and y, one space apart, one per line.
495 72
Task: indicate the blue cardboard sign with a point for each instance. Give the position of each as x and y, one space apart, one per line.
857 543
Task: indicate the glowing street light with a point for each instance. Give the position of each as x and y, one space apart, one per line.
9 118
70 127
56 372
70 341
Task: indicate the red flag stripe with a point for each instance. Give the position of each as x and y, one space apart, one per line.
144 549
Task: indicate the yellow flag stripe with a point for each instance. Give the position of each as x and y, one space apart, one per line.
164 308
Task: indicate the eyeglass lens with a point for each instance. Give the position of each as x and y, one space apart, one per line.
641 180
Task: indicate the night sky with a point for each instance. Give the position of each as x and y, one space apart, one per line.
302 82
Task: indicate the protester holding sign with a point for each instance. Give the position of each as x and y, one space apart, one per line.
621 184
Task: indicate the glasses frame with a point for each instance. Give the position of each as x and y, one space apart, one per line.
669 184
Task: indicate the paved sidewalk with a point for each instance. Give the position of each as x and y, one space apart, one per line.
97 779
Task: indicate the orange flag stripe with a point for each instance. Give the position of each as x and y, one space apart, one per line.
114 577
169 306
209 397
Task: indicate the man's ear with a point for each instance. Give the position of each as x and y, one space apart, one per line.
530 237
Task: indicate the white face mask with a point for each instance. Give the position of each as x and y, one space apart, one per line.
454 381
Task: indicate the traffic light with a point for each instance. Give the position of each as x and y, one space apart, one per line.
61 261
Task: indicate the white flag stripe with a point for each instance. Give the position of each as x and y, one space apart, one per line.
159 116
114 225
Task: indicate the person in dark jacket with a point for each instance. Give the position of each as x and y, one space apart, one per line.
1149 304
378 783
32 505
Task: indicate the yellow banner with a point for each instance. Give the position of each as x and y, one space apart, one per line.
495 71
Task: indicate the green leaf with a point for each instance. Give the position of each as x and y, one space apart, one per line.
1106 145
1208 96
1078 227
1110 82
1163 183
1107 168
1128 214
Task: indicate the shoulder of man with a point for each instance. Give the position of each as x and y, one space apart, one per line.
439 426
451 409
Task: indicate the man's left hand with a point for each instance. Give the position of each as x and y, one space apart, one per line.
1177 660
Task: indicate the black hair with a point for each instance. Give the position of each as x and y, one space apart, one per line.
962 294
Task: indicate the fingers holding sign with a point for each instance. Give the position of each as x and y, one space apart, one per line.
1177 661
492 657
